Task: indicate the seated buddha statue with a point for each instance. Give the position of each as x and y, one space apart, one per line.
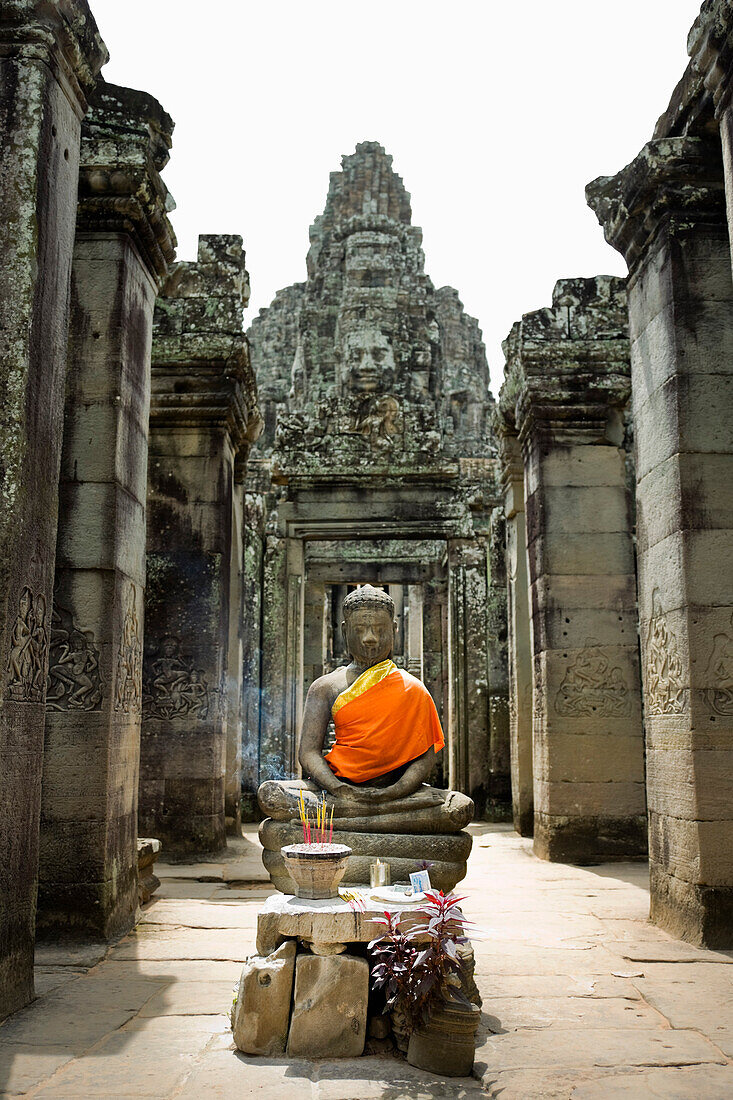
388 737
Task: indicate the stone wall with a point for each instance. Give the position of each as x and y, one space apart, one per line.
203 417
124 243
49 61
666 212
564 400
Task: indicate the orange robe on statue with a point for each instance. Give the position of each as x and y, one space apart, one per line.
387 718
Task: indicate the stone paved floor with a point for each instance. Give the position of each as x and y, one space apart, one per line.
583 999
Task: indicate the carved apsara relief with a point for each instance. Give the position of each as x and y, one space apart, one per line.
173 687
593 687
128 671
666 692
28 648
74 679
379 421
720 674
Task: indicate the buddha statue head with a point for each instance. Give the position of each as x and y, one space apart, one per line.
368 361
369 625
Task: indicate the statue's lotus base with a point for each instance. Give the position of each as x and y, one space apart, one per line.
447 854
425 826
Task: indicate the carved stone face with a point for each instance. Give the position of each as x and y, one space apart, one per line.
169 647
368 361
369 634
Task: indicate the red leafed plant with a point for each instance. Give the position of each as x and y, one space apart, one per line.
417 976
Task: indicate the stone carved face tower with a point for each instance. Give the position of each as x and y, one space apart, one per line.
377 464
378 363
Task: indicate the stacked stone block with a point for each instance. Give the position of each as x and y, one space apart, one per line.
50 55
568 382
203 417
666 213
124 244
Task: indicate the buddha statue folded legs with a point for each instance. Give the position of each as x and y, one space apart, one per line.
387 737
425 825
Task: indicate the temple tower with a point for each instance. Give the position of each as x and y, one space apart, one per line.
377 464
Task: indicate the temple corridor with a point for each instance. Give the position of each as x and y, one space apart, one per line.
582 997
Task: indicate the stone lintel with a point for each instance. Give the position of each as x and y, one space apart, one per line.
202 373
62 34
674 182
126 138
710 46
387 474
567 365
200 397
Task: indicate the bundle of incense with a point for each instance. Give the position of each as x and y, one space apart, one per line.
322 832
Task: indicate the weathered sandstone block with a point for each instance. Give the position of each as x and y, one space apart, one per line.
262 1010
50 56
124 243
329 1007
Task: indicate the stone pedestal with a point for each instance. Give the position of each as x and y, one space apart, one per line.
326 927
203 415
666 213
519 631
570 375
50 55
124 243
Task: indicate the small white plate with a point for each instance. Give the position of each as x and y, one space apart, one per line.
388 893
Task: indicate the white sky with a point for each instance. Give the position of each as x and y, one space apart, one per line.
496 113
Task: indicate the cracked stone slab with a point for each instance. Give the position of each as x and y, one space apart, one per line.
23 1066
574 1047
700 1082
194 914
512 1014
77 1015
76 955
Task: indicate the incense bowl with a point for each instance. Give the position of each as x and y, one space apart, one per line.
316 869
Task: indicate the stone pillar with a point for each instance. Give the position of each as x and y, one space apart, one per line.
468 733
50 55
666 213
499 788
314 630
203 412
571 380
283 603
519 633
124 243
235 661
252 593
414 639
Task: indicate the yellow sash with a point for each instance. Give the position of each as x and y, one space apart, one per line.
367 680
